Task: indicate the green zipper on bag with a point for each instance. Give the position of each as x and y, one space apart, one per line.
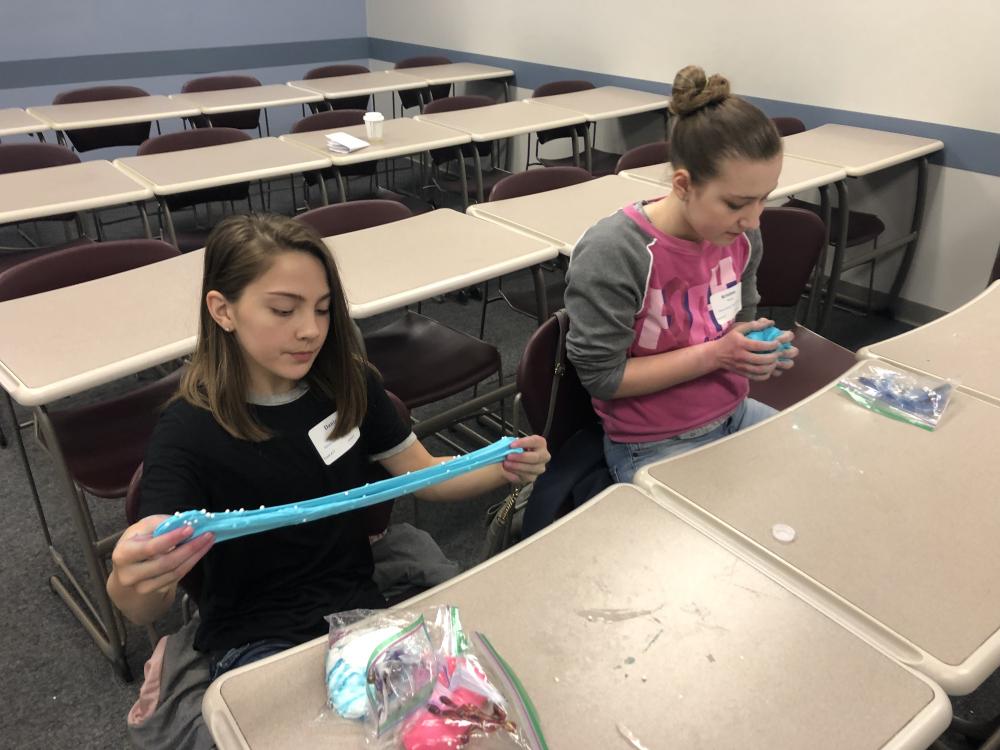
536 739
419 698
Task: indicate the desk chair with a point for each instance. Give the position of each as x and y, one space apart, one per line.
421 360
96 446
22 157
602 162
336 120
88 139
198 138
514 186
332 71
862 227
420 97
645 155
444 156
248 119
793 243
995 273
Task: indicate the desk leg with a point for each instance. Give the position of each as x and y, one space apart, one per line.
463 180
23 454
145 219
479 173
911 246
541 298
816 294
322 188
169 221
843 205
506 89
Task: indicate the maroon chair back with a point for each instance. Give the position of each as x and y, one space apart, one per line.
333 71
535 371
340 218
538 181
452 104
88 139
788 125
412 98
995 273
22 157
554 88
645 155
198 138
75 265
246 120
793 240
338 118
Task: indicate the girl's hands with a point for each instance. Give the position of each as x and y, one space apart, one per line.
522 468
756 360
145 564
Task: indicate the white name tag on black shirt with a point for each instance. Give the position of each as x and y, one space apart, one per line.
332 449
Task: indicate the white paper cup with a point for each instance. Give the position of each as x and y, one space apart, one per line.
373 126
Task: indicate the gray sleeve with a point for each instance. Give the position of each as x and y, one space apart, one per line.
748 283
606 285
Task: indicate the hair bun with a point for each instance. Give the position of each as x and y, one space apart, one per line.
693 90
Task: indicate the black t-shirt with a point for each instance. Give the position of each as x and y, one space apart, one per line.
280 583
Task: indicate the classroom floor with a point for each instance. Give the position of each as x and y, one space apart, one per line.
56 690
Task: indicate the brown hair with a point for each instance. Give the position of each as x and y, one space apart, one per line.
711 125
239 250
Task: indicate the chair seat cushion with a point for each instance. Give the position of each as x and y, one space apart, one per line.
861 227
423 361
104 443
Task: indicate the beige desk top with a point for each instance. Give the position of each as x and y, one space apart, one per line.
961 345
249 97
621 615
606 102
359 84
561 216
63 342
71 187
211 166
896 527
797 175
859 151
15 121
505 120
457 72
113 111
400 136
393 265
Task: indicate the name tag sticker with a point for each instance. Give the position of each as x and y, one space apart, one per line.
332 449
726 303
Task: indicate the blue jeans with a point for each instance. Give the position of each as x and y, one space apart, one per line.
247 654
625 459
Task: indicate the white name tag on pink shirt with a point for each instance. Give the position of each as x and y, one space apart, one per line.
726 303
332 449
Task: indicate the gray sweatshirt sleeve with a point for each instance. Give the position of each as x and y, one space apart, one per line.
606 286
748 283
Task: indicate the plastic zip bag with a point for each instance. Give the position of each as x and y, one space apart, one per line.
909 397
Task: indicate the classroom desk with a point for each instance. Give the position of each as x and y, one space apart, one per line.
16 121
360 84
883 533
608 102
400 137
461 72
961 345
504 120
198 168
63 117
249 97
393 265
860 152
37 193
797 175
621 619
560 216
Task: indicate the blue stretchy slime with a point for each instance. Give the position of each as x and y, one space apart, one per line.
768 334
231 524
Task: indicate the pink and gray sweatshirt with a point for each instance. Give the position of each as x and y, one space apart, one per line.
633 291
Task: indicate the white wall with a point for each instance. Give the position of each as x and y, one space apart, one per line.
912 59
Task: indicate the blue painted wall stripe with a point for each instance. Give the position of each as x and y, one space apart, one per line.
132 65
972 150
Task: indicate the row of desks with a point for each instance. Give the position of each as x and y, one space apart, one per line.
671 612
